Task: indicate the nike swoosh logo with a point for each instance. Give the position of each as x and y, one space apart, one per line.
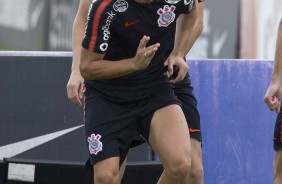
127 24
194 130
13 149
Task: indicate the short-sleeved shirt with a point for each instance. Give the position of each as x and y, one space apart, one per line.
115 28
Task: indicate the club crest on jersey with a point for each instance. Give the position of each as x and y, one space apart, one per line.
167 15
172 1
120 5
95 145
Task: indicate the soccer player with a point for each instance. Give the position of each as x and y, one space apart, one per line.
183 90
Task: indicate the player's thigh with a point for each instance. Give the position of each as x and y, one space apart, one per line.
278 162
121 170
107 168
169 135
196 154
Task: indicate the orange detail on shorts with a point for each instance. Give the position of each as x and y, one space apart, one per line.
194 130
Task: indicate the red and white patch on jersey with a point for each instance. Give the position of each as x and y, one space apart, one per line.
95 145
167 15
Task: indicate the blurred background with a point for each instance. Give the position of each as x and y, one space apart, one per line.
230 67
232 28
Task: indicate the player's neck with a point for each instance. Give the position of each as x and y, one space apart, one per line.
143 1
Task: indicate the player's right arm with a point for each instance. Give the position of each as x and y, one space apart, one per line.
94 67
274 91
98 34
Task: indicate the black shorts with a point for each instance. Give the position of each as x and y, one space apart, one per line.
184 92
111 123
277 139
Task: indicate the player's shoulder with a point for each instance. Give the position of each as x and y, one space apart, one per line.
189 3
104 4
110 7
117 6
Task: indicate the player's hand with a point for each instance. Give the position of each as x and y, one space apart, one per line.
75 88
144 54
176 60
272 96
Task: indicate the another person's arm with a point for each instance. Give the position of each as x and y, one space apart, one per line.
274 91
75 83
188 29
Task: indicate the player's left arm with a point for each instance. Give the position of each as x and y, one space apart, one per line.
182 43
198 26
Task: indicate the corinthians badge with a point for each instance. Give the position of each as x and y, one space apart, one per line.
167 15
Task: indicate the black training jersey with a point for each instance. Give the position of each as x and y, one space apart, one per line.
115 28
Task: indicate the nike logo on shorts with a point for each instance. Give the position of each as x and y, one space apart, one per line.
194 130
